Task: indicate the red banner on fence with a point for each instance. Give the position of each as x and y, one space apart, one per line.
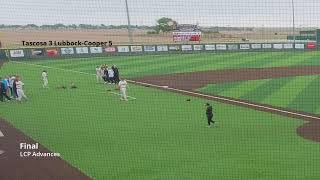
52 52
311 46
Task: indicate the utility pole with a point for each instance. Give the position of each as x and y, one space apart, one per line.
129 24
293 25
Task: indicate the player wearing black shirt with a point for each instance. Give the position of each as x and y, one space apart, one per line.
209 114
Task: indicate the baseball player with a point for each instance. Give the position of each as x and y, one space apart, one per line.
123 87
3 90
11 82
19 85
111 75
98 74
44 78
116 74
209 114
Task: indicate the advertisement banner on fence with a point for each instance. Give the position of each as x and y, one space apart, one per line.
221 47
186 47
288 46
277 46
162 48
244 46
95 50
266 46
136 48
37 52
149 48
17 53
256 46
124 49
186 36
233 47
110 49
198 47
210 47
82 50
311 46
67 51
299 46
52 52
174 48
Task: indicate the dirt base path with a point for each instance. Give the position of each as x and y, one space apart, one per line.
187 83
13 166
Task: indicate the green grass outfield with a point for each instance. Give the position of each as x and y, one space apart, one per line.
160 135
300 93
134 66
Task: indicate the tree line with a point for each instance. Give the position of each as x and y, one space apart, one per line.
73 26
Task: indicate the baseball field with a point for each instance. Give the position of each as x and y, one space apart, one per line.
266 108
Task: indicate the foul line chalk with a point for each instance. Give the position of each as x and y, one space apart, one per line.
226 99
190 92
120 95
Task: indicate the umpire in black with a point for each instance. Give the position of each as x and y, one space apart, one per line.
209 113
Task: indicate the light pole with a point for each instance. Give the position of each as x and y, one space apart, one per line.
293 25
129 24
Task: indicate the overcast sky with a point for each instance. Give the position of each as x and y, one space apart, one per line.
239 13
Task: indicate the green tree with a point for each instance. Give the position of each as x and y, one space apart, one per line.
165 24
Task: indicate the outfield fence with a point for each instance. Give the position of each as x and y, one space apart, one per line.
63 52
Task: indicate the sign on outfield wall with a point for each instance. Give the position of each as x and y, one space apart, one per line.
17 53
311 45
186 47
149 48
256 46
221 47
266 46
197 47
110 49
82 50
210 47
67 51
52 52
123 49
244 46
95 50
174 48
299 46
162 48
277 46
37 52
136 48
233 47
288 46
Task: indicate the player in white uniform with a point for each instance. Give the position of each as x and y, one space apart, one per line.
123 87
19 85
98 74
44 78
101 73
